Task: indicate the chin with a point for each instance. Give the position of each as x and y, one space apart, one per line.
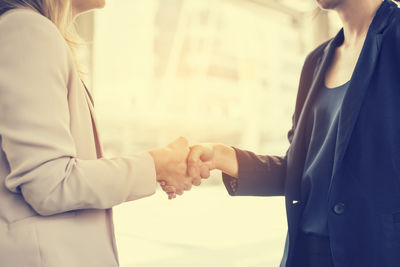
95 4
329 4
82 6
102 3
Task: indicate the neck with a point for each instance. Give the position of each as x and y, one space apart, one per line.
356 16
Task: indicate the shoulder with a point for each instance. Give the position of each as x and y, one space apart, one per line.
311 62
390 37
393 27
29 42
22 15
396 19
30 28
317 53
25 19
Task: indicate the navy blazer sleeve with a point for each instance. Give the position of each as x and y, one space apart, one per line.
258 175
265 175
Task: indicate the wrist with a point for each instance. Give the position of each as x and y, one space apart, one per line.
158 155
219 150
226 160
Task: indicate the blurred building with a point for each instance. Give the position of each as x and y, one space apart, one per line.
211 70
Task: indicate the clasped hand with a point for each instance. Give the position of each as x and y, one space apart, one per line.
179 166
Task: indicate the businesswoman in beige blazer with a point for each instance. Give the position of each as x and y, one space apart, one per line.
56 189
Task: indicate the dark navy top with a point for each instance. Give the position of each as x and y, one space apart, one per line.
321 132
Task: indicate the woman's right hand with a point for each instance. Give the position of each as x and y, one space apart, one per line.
171 166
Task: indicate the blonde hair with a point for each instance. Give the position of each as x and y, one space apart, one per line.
57 11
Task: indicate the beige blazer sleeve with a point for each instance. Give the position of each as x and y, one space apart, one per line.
35 72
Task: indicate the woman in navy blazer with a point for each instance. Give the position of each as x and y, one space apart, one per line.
362 203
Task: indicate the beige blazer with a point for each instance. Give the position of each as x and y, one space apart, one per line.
56 191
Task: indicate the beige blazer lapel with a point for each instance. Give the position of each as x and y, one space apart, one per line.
89 100
99 151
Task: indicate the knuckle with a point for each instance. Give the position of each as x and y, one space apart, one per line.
183 140
197 182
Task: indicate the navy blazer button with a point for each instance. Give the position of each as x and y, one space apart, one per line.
338 208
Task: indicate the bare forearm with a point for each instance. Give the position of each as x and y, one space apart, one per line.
225 160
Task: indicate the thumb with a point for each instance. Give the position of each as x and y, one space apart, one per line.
179 143
194 161
207 153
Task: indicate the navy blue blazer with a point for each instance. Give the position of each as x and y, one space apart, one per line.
364 194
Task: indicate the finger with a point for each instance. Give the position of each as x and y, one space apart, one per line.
194 171
179 192
172 196
163 187
196 182
204 172
169 189
163 183
193 161
187 186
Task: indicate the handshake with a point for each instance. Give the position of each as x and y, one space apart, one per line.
179 166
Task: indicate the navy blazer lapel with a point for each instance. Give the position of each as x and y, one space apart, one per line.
359 81
317 82
298 149
319 78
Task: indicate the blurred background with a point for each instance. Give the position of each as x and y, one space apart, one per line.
212 71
